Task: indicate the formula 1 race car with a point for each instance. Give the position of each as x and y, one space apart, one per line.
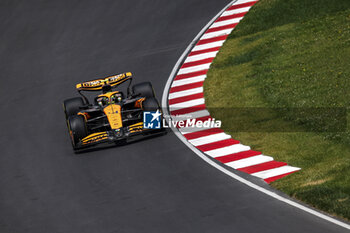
112 117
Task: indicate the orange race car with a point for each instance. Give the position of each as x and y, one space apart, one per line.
112 117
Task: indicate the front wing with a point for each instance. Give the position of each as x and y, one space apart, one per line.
121 135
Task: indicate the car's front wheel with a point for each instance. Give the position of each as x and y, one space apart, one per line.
77 128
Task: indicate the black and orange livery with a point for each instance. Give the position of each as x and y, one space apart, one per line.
113 117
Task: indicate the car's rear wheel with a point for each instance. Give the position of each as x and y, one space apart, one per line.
150 104
77 128
72 106
144 89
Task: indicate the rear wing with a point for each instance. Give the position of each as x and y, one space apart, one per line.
99 84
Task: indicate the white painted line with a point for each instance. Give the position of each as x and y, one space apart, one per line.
208 45
275 172
254 160
226 22
200 57
227 150
185 81
242 1
186 93
192 115
194 68
209 139
217 33
186 104
178 133
236 11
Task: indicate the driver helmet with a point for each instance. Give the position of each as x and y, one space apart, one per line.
116 98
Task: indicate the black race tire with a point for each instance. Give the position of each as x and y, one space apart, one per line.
77 128
72 106
143 89
150 104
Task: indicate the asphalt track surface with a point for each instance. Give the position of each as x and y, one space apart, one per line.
155 185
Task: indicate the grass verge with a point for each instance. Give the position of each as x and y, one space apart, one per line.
288 55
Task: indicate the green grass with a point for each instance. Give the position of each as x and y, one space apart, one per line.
284 55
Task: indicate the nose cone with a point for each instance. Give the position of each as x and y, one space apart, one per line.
113 113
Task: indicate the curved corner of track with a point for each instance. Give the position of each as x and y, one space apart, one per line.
183 100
